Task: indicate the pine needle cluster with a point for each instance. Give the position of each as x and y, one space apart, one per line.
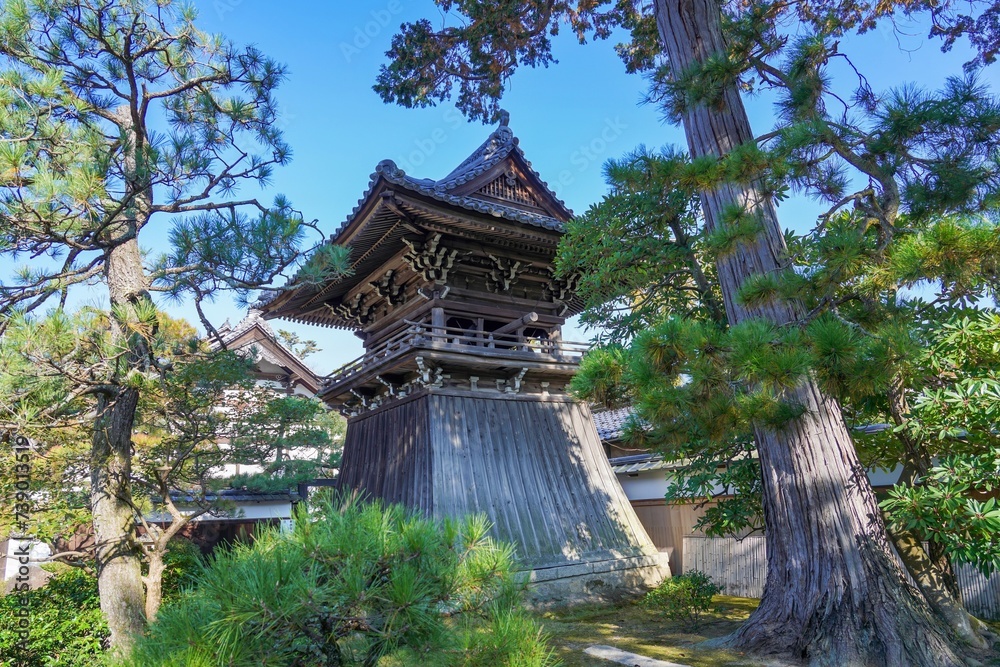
354 584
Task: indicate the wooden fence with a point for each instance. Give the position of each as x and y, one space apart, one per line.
741 565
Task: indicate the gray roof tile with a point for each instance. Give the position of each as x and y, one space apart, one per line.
611 423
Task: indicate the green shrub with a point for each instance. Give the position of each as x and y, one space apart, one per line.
184 561
353 584
66 628
684 598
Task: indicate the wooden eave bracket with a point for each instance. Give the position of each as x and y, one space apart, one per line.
512 385
430 375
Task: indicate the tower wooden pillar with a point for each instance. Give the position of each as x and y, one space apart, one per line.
459 403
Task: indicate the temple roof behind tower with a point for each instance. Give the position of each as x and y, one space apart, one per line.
493 192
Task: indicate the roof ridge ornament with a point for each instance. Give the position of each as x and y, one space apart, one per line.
503 135
389 168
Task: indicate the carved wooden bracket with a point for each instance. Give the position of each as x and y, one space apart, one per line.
431 260
503 274
430 376
512 385
562 290
355 310
386 287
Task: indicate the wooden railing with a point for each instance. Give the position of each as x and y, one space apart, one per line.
421 334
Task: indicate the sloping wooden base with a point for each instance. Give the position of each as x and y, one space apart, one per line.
534 465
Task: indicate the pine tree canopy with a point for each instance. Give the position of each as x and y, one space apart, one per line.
124 116
127 145
473 59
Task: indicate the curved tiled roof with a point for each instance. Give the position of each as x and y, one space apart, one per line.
498 146
253 319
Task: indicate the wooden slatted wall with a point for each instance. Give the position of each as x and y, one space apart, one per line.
667 525
981 595
537 470
739 566
387 455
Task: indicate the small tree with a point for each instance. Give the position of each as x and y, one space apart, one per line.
275 429
179 439
640 252
302 348
353 584
683 598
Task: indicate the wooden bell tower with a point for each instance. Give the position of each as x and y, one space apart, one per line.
459 403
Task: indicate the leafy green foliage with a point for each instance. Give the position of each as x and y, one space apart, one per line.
954 417
683 598
178 437
601 376
958 404
952 507
183 561
352 584
66 627
122 118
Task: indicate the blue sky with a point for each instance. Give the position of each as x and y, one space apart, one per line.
569 117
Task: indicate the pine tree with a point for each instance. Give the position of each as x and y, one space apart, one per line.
639 253
864 334
850 605
86 173
354 584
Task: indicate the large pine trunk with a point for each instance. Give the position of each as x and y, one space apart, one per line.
834 594
119 560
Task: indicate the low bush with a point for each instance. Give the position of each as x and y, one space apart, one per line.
65 628
183 562
353 584
684 598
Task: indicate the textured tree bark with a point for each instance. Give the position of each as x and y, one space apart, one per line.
154 585
934 588
119 560
119 565
834 594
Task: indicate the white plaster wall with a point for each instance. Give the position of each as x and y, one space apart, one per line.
652 485
884 477
278 509
39 552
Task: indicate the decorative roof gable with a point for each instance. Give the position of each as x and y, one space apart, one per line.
498 172
508 187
